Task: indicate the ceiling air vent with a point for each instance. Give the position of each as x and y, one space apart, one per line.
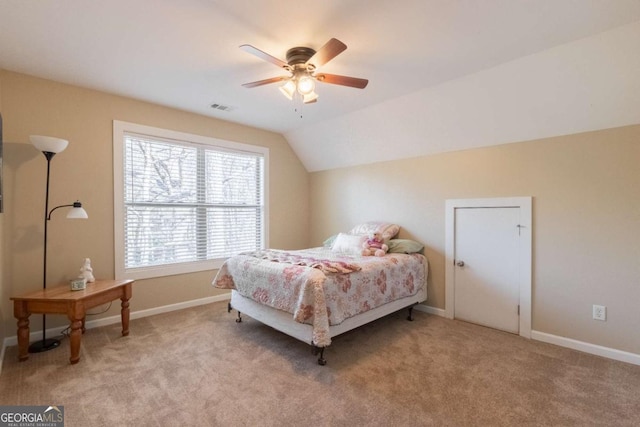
222 107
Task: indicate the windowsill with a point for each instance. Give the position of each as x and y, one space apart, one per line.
169 270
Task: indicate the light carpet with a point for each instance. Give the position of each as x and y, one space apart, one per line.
198 367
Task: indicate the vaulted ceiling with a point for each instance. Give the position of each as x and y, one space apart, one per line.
426 60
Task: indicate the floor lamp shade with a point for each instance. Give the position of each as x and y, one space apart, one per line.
77 212
48 144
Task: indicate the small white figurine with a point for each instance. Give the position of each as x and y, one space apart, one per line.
86 272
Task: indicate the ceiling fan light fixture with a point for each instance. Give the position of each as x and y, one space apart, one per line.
305 85
288 89
309 98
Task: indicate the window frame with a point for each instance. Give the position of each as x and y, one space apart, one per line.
120 129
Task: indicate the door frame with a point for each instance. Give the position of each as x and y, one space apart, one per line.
524 272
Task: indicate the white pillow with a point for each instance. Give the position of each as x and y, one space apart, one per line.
348 244
386 230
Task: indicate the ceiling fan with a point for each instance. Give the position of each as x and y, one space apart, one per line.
302 63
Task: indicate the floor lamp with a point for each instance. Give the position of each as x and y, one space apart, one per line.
50 146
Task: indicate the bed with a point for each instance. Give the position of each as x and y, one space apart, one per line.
316 294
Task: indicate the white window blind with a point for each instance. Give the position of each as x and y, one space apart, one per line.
186 202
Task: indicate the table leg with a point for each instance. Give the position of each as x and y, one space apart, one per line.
21 313
74 340
76 315
125 310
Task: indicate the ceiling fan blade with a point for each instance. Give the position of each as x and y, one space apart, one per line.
326 53
264 82
263 55
342 80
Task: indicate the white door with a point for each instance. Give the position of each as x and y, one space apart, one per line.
486 263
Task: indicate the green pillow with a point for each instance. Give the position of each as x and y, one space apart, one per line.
329 242
404 246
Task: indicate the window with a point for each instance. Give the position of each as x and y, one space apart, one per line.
184 202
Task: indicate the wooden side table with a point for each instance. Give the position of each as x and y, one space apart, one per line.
62 300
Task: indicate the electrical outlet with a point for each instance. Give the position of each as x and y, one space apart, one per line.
599 312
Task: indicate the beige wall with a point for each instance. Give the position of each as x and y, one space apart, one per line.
4 314
84 171
586 215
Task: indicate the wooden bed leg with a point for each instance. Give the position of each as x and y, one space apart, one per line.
229 308
410 316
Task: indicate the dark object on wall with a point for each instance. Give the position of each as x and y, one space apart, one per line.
1 204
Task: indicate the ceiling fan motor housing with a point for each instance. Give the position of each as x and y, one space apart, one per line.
299 55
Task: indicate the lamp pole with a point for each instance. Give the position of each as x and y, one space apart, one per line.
49 155
51 343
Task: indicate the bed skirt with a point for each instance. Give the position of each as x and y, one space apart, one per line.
283 321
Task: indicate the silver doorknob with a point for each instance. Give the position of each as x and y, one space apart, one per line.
460 263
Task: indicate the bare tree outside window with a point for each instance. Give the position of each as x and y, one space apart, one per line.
187 202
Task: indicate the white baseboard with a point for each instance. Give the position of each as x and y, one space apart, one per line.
159 310
52 332
430 310
598 350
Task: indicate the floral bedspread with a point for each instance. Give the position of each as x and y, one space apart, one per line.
322 298
300 258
